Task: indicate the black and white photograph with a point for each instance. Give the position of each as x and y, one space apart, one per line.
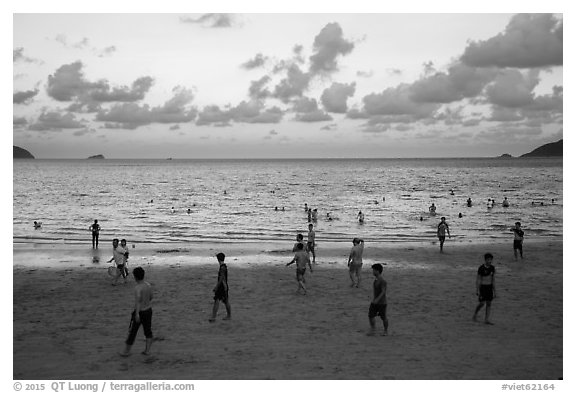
288 195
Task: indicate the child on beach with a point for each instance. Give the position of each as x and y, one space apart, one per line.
221 289
485 287
142 314
301 258
518 240
311 244
95 228
442 230
379 303
299 240
355 261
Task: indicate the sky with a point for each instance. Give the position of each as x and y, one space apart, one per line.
286 85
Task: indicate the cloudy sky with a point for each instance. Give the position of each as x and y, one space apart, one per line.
258 85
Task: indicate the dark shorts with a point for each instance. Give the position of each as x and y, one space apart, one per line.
486 293
355 267
442 238
518 244
310 246
145 321
377 309
221 294
122 269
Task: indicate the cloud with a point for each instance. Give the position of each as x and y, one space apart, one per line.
334 98
365 74
56 121
257 89
504 114
68 82
24 97
211 20
108 51
305 105
394 71
254 112
246 112
314 116
461 81
328 45
19 121
131 115
258 61
137 92
397 101
329 127
512 89
530 40
18 56
294 85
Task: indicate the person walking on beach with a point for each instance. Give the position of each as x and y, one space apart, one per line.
95 228
311 244
485 287
442 230
118 258
142 314
302 259
518 240
221 290
126 254
378 304
355 261
299 240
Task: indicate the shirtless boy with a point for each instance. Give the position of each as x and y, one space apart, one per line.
485 287
301 258
142 314
311 244
379 303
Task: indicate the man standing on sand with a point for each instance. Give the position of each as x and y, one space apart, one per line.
379 303
518 240
301 258
442 230
142 314
485 287
355 261
221 290
95 228
311 244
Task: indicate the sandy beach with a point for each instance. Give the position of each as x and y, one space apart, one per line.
70 322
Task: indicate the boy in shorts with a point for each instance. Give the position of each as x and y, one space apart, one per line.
142 314
379 303
485 287
301 258
518 240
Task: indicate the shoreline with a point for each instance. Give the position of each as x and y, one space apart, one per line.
69 322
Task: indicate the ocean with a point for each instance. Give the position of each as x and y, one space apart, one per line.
147 201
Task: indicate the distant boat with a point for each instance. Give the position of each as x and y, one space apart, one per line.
169 158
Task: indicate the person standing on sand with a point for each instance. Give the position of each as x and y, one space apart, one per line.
301 258
379 304
221 290
311 244
355 261
442 230
485 287
95 228
518 240
126 254
142 314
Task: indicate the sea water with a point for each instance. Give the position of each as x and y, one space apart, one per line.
147 201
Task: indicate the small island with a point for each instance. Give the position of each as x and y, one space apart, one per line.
19 152
96 157
505 155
